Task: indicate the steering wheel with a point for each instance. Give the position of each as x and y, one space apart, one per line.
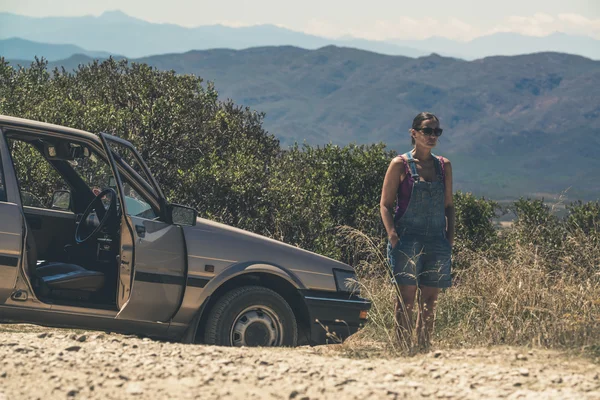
104 215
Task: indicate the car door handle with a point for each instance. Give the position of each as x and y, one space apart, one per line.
141 230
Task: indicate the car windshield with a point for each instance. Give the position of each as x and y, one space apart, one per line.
94 170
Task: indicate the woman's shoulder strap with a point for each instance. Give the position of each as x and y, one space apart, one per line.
412 166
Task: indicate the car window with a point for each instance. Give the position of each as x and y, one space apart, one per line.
126 157
37 178
138 204
135 203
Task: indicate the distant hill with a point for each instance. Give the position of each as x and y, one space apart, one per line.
118 33
521 125
16 48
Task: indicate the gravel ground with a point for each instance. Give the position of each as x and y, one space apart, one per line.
44 363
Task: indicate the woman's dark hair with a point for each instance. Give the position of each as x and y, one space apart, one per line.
424 116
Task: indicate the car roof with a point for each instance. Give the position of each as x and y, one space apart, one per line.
28 124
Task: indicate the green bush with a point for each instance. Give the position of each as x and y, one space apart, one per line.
474 221
584 217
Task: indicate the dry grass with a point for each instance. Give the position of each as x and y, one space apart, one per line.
520 301
524 299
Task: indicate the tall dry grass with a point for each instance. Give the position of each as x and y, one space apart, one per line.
524 295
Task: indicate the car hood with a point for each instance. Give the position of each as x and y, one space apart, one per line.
223 246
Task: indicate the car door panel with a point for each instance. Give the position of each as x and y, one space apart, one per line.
11 240
158 275
153 262
11 225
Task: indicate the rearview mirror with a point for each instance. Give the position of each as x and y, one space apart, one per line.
65 151
182 215
61 200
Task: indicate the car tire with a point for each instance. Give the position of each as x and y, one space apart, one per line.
251 316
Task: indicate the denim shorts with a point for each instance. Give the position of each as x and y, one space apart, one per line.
422 260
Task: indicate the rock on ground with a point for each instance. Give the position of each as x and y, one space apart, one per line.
46 363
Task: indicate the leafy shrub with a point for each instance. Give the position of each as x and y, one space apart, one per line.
538 227
584 217
474 221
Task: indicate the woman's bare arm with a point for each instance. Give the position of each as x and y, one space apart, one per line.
393 177
449 202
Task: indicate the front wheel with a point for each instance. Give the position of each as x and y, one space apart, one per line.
251 316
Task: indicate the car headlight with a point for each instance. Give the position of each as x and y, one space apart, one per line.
345 281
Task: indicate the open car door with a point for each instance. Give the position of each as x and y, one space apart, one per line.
153 260
11 225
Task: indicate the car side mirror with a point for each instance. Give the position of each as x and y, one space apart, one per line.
61 200
182 215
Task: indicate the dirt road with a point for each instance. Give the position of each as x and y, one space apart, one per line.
57 364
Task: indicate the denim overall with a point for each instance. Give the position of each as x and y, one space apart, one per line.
423 254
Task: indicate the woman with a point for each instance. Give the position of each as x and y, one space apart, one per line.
418 214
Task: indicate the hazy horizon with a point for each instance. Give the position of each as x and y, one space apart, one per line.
461 20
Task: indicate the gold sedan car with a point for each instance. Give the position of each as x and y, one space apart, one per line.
88 240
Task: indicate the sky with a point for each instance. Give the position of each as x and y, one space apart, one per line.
372 19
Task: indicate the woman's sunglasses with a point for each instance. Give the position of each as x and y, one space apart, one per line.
430 131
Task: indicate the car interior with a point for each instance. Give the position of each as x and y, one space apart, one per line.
72 225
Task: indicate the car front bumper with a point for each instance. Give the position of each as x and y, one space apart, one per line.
334 315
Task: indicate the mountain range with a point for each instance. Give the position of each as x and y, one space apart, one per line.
514 125
21 49
120 34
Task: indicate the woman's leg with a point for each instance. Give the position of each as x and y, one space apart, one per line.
403 312
405 261
427 302
436 274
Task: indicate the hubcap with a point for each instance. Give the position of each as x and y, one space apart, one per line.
257 326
